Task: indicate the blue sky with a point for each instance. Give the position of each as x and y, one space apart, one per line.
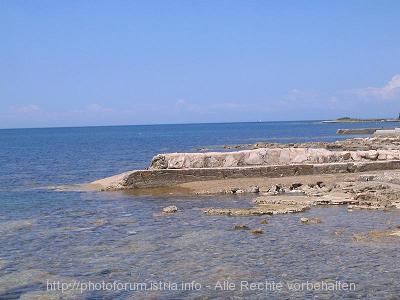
76 63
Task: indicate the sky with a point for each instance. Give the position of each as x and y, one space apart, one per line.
87 63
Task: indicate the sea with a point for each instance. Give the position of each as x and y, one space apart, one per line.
71 244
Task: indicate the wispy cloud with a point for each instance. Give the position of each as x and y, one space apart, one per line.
93 108
389 91
24 109
99 108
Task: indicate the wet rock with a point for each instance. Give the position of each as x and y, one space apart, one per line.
310 220
237 191
257 231
270 209
254 189
233 190
320 184
170 209
282 200
335 199
276 189
295 186
241 227
377 197
364 206
366 177
295 193
395 233
265 221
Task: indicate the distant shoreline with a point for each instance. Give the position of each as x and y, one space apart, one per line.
355 120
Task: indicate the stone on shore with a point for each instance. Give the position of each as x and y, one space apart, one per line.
254 189
170 209
387 133
310 220
272 209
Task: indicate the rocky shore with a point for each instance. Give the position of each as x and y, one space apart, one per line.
379 142
380 191
287 178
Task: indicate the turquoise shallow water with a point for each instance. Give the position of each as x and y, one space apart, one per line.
90 236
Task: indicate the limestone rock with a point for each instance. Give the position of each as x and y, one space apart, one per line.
254 189
367 177
267 156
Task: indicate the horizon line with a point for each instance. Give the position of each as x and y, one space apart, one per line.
157 124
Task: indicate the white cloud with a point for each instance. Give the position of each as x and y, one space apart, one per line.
98 108
25 109
389 91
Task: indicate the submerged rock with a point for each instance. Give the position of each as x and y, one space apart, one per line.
257 231
375 235
241 227
100 222
9 227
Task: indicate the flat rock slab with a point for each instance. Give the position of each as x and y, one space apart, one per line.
270 209
171 177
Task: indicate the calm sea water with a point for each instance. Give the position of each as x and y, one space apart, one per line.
91 236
